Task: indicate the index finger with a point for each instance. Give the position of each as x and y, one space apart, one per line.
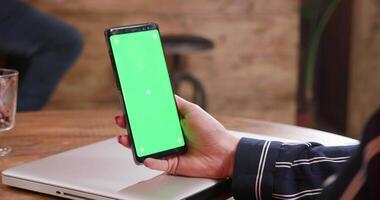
182 104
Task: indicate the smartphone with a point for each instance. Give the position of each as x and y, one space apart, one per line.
146 94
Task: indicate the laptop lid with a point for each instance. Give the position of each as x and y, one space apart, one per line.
105 170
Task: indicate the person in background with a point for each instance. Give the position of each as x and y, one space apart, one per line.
48 46
273 170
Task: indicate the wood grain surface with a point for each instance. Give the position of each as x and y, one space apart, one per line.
39 134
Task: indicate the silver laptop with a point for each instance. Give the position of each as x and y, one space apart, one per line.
106 170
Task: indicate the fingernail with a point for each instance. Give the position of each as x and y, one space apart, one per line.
117 119
146 162
119 139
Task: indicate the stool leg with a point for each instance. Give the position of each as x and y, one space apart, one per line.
199 93
175 73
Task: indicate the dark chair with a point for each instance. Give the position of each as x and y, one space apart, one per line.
373 125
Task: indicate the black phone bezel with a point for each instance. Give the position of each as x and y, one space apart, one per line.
129 29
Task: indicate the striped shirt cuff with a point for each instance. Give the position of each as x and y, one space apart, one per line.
254 168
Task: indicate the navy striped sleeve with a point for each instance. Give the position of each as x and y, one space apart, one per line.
275 170
253 169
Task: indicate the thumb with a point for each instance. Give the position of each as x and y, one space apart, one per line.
169 165
156 164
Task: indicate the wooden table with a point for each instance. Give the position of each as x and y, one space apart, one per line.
39 134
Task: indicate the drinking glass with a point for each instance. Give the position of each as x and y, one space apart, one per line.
8 102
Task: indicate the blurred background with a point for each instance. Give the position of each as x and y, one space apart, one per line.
314 63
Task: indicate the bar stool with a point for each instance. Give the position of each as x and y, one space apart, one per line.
177 46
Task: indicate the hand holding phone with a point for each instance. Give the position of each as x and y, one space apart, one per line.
143 82
211 148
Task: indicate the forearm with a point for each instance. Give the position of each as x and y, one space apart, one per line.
268 169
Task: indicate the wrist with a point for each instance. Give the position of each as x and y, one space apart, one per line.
230 156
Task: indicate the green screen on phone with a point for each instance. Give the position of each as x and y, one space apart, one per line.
146 91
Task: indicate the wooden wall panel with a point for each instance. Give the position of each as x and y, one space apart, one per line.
364 95
251 71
